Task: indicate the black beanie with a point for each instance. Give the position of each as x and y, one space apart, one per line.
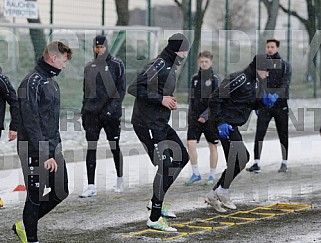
178 42
100 40
262 62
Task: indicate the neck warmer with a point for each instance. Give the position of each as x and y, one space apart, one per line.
47 68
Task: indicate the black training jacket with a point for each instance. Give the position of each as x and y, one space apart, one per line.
235 98
8 95
279 79
158 79
39 104
104 86
202 86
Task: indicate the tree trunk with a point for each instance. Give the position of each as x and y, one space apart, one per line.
272 9
182 83
122 20
184 6
311 28
122 12
186 17
38 39
197 24
197 21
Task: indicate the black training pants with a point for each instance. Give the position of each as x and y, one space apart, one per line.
166 150
281 117
93 124
236 156
38 180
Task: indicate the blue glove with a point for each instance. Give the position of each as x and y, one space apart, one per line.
273 98
265 99
269 99
224 130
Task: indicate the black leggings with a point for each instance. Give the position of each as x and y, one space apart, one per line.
281 117
112 130
236 156
37 178
165 150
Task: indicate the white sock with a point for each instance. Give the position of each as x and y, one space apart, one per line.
195 170
91 187
33 242
212 172
222 190
285 162
257 161
120 180
22 225
211 193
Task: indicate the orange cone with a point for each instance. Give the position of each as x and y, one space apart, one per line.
1 203
19 188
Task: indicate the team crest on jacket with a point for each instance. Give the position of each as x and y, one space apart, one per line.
208 83
195 82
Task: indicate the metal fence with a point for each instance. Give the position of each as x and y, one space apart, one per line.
81 19
17 55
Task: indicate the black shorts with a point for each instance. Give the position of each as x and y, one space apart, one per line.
93 124
195 130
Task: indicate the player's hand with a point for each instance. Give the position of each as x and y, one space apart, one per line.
224 130
170 102
201 120
12 135
269 99
51 165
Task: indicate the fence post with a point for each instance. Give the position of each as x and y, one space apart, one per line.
103 15
51 18
227 27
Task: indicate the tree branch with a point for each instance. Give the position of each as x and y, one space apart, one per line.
178 3
295 14
205 8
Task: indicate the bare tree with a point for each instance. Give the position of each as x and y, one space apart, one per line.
197 22
272 8
240 15
311 24
184 7
37 37
122 12
119 47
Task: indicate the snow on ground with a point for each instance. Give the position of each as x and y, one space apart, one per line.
138 171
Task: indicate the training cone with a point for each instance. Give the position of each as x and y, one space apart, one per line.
19 188
1 203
